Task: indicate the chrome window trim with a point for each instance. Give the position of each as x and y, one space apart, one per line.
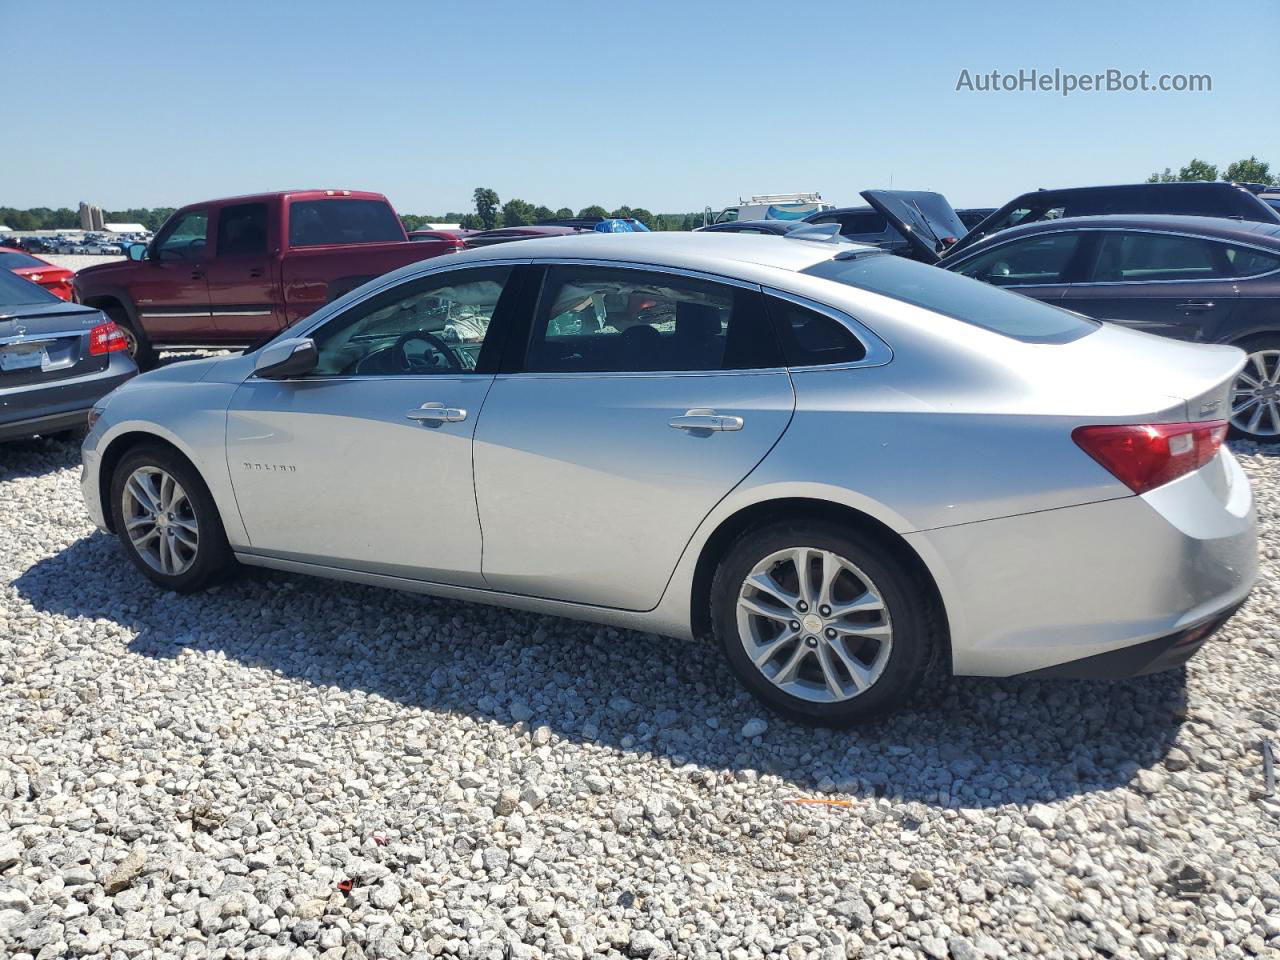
1124 283
878 354
649 268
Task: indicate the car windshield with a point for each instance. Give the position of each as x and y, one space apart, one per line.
15 291
314 223
952 295
18 261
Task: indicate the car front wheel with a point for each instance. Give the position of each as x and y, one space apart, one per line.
825 626
167 522
1255 397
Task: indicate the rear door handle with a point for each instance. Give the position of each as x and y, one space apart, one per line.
437 413
197 274
255 272
703 418
1196 305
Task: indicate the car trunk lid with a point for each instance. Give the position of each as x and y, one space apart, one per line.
46 342
926 219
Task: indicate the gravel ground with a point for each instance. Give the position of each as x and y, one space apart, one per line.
289 768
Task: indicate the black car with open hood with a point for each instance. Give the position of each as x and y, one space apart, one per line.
929 223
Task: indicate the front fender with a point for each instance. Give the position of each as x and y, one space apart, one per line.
192 417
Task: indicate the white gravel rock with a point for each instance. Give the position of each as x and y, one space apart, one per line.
288 768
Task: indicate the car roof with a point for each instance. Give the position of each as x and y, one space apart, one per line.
1220 227
708 252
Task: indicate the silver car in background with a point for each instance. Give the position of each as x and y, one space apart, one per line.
843 465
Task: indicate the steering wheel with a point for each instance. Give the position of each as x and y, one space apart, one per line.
410 364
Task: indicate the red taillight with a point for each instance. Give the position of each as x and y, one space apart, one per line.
106 338
1146 456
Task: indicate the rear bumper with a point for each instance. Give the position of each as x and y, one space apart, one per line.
62 405
1111 588
1151 656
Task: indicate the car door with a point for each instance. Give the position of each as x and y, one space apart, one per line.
1170 284
635 400
169 289
366 463
242 274
1040 265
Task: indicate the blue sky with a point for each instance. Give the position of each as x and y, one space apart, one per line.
670 106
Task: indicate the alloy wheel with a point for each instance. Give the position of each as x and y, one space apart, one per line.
1255 398
130 339
814 624
160 521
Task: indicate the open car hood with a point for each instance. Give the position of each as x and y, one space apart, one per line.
925 219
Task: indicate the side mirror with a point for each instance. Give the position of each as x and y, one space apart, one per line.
136 251
288 358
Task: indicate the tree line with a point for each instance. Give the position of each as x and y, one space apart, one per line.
488 214
1251 170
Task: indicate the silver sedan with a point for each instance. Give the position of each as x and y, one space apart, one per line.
844 466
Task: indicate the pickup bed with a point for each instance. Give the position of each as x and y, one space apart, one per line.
226 273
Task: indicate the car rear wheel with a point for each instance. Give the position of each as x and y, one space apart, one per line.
144 355
1255 396
167 522
825 626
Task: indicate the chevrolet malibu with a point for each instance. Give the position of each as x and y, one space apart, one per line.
842 465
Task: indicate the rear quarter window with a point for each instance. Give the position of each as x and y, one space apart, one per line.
952 295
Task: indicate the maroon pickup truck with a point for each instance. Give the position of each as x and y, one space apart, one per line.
230 272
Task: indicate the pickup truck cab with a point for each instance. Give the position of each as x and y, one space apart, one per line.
227 273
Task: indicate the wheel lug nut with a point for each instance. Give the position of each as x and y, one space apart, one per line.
831 634
802 606
824 610
811 641
795 624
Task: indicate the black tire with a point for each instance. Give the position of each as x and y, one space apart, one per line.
140 348
1265 342
908 603
213 560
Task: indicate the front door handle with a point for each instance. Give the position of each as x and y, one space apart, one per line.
437 413
197 274
703 418
1196 305
255 272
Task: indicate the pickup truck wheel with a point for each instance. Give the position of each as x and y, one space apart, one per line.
144 355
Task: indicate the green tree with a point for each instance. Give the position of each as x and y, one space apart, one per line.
517 213
486 207
623 212
1198 170
1252 170
595 210
1166 177
644 216
564 213
470 221
542 213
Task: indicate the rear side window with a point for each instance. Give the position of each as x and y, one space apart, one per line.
810 338
1247 262
608 320
1035 260
1147 257
19 261
958 297
854 224
14 291
314 223
242 230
